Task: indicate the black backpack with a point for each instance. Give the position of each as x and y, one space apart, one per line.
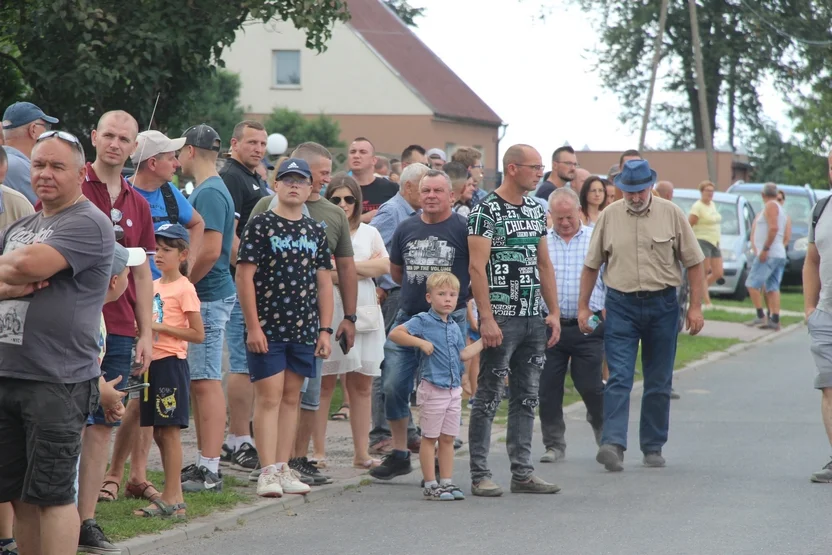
171 207
818 210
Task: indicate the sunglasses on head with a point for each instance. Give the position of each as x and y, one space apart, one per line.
64 136
349 199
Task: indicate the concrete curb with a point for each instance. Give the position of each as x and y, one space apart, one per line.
262 508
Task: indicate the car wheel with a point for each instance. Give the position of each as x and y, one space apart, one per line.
741 292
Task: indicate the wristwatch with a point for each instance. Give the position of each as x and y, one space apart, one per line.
328 330
766 248
351 317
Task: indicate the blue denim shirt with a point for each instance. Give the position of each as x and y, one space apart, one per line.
443 368
387 219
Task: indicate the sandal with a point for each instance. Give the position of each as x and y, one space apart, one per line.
107 495
343 413
161 509
367 465
140 491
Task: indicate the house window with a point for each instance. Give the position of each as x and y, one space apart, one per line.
286 68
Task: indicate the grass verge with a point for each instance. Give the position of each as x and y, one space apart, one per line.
726 316
119 523
791 298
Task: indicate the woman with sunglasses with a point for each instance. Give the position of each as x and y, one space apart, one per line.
358 368
593 197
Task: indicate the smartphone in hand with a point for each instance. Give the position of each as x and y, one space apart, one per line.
342 341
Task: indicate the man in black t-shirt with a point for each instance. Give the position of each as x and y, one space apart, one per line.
248 146
375 191
433 241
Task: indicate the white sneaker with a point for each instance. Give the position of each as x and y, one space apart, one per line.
290 481
269 483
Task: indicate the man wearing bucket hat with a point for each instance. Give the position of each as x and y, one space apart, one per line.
641 240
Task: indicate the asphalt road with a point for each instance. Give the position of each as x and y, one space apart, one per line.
744 438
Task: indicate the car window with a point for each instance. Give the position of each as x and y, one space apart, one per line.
684 203
730 220
749 217
798 207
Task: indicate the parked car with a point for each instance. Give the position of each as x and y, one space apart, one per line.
799 203
735 243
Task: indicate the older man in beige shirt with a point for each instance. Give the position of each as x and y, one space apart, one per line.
641 240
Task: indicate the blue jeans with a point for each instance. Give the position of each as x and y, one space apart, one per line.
205 359
118 361
401 365
235 338
653 322
310 398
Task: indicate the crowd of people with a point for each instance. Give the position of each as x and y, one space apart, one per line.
397 277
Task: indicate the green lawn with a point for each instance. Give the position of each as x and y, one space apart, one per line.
791 298
119 524
726 316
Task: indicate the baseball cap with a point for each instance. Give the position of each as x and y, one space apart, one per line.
151 143
173 231
294 165
203 136
437 153
124 257
21 113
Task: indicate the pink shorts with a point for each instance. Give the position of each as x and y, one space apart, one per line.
441 410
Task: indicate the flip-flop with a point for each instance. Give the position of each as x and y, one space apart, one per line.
107 496
341 415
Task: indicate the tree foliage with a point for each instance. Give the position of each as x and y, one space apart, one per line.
216 102
80 58
297 129
786 162
741 46
405 11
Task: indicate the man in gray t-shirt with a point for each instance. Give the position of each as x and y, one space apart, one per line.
54 273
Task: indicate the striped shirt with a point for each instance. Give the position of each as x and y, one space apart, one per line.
568 260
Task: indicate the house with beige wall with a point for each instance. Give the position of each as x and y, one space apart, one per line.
376 78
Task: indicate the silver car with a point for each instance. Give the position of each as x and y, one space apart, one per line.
735 242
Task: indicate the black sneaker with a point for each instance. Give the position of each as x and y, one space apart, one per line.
391 467
202 480
92 540
245 458
309 474
188 472
226 456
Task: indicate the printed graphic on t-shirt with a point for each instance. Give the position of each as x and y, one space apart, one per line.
288 255
166 401
515 232
158 309
12 321
426 256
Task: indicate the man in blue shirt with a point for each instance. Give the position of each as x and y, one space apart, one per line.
156 163
23 123
433 241
212 278
387 219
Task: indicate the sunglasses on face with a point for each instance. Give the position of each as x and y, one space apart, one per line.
349 199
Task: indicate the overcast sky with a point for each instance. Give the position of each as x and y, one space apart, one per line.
538 75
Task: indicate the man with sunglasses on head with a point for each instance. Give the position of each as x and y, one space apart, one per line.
55 269
564 166
114 139
337 230
23 123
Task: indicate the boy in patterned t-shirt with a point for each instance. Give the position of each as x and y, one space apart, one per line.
285 290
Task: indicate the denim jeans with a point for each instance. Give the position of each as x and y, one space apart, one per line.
118 361
584 354
520 357
235 339
654 323
205 359
402 365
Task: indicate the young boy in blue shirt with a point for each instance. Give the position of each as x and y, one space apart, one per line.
440 392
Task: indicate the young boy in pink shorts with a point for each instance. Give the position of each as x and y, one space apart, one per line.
440 392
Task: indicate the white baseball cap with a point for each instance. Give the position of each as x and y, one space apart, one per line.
437 153
151 143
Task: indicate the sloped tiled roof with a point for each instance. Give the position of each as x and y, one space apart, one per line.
416 64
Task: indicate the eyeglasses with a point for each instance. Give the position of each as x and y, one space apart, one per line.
43 124
116 216
570 164
535 167
349 199
478 166
295 182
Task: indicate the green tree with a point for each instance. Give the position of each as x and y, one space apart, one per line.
786 162
405 11
297 129
741 46
79 58
216 103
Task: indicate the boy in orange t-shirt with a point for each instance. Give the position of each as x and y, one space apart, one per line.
165 404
